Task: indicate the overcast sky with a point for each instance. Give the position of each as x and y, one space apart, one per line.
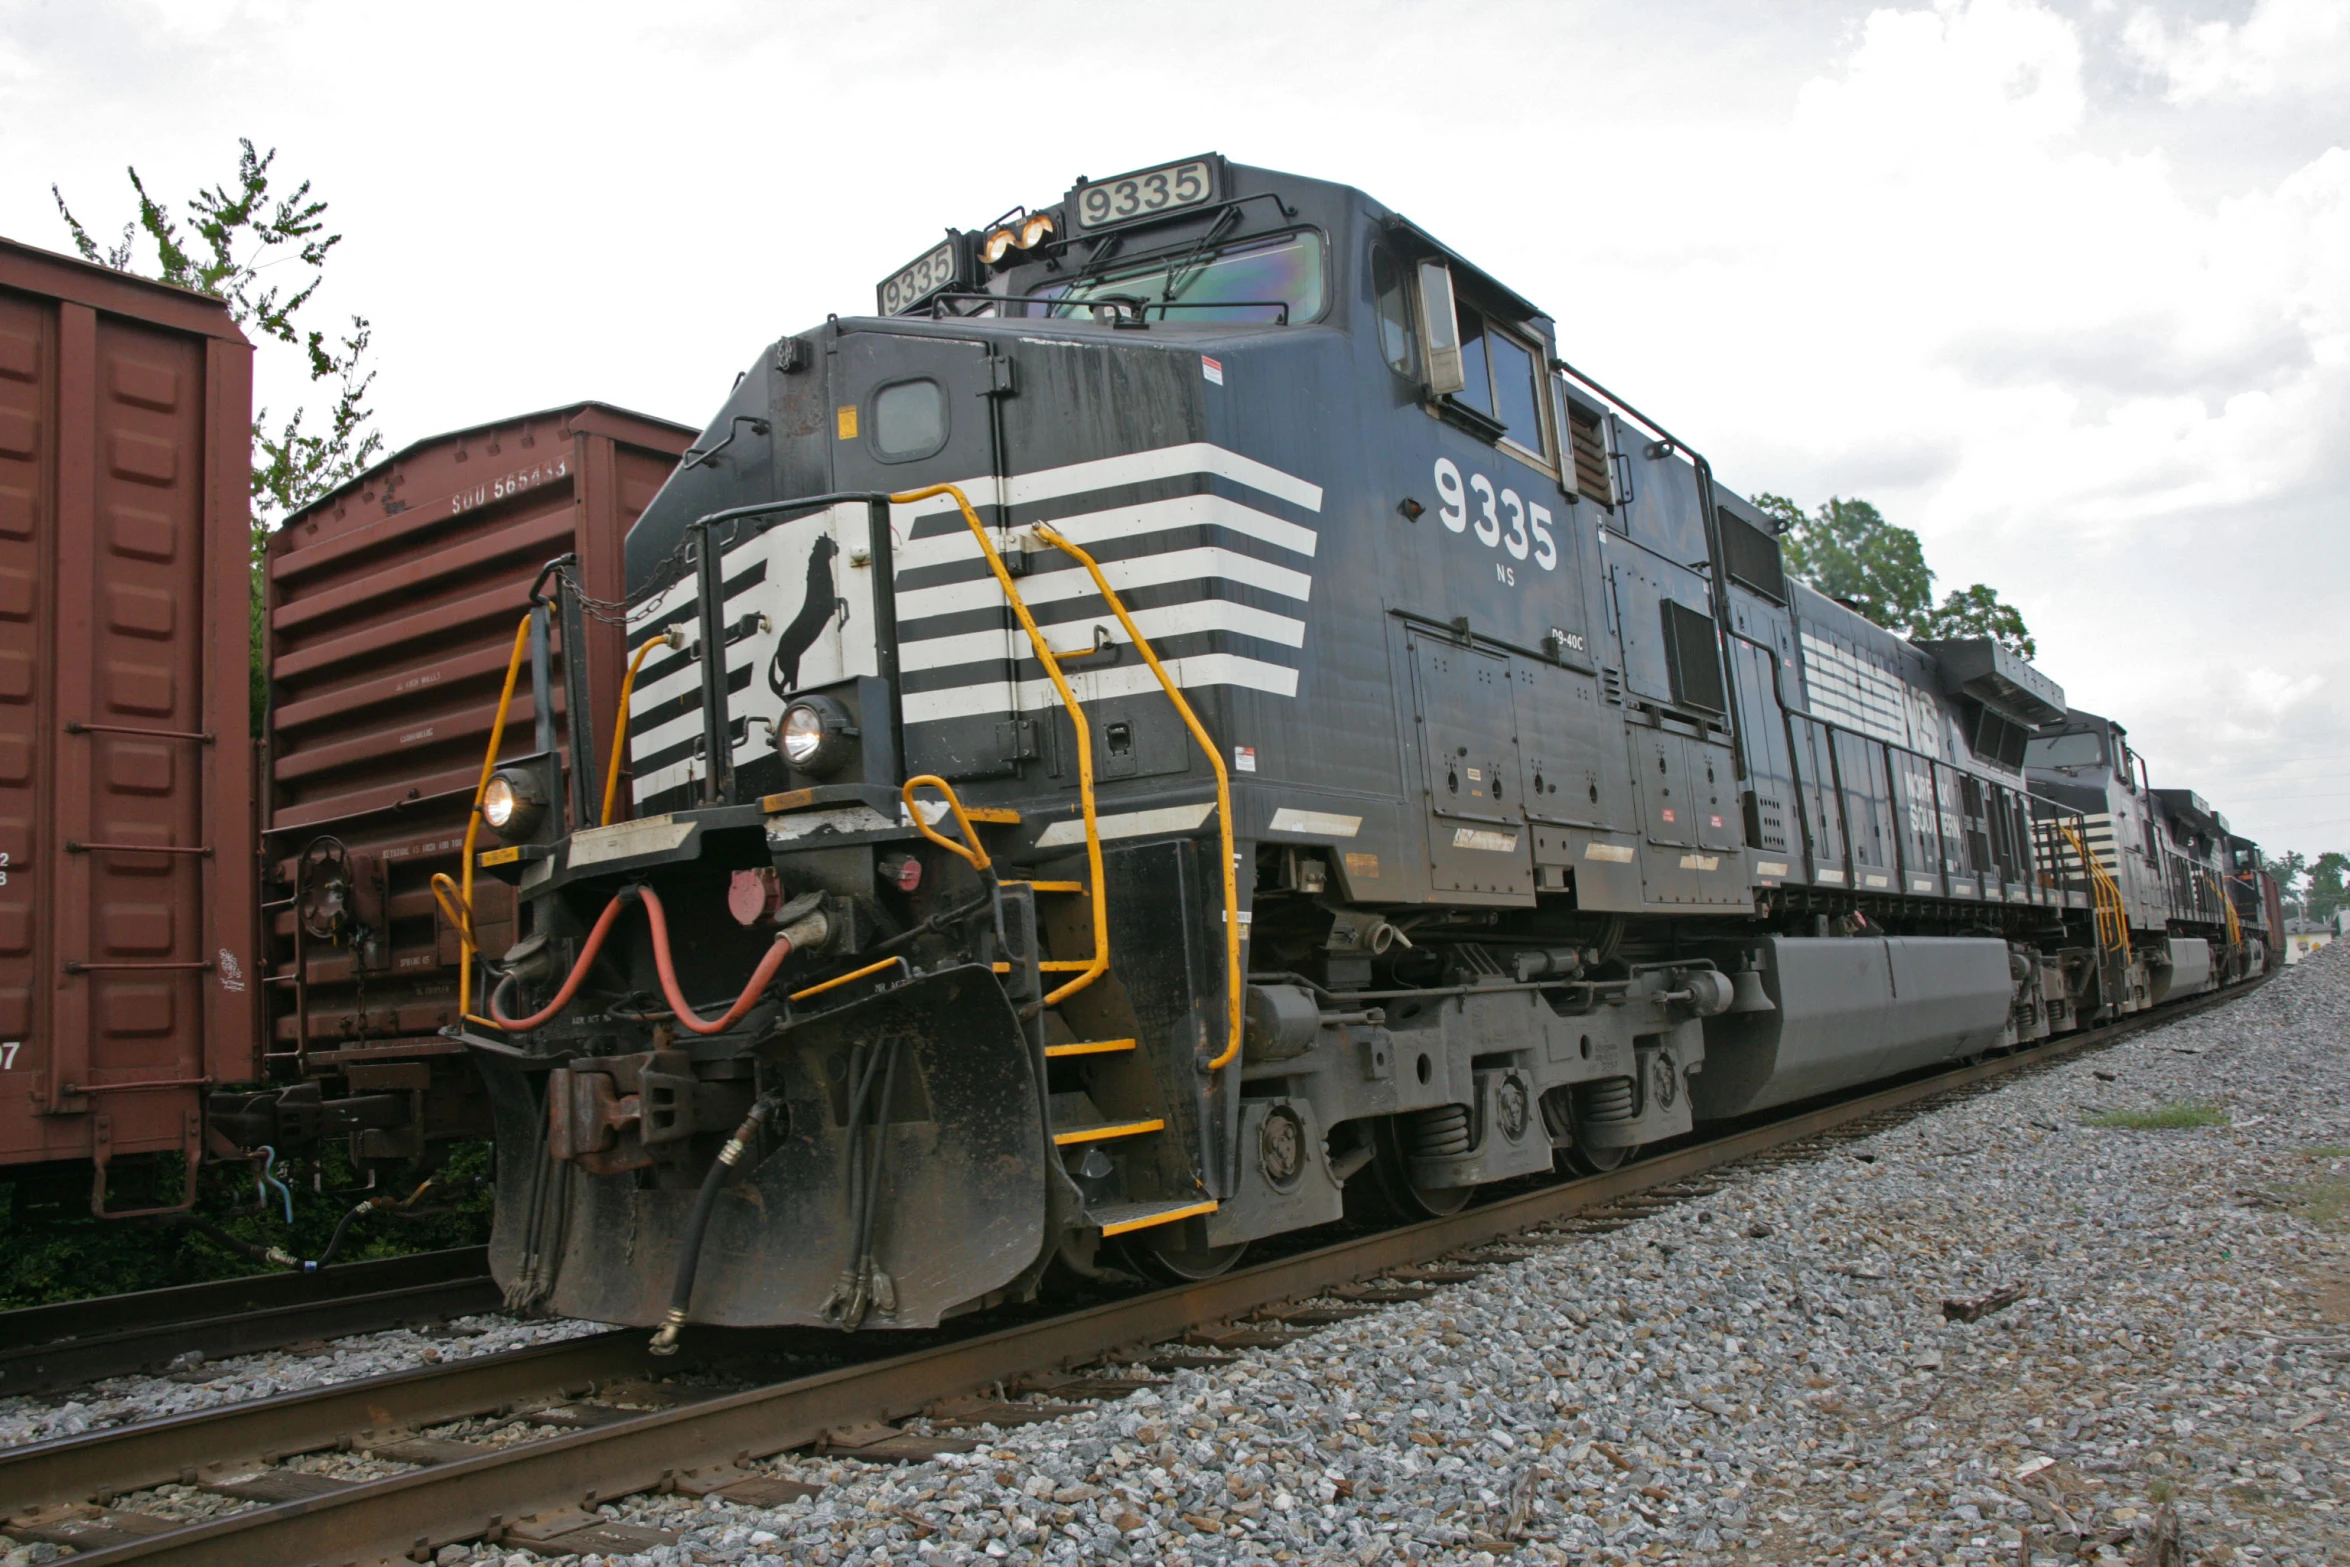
2065 287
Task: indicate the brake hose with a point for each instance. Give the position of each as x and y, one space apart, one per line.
808 929
571 981
811 929
689 1256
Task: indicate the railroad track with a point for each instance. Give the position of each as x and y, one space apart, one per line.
596 1419
48 1347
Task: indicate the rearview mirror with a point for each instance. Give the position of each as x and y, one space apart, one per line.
1440 330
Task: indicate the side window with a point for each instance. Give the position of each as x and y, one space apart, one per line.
1517 391
1504 381
909 420
1388 282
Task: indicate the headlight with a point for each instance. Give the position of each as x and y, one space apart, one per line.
499 802
512 805
997 246
815 736
1035 230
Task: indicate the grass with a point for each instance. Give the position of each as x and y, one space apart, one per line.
2325 1204
2165 1117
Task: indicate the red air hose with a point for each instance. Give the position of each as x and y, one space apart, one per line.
761 976
587 957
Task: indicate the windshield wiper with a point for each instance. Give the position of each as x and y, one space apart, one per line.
1177 278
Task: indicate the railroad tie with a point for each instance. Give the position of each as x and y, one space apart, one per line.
270 1487
574 1531
87 1528
749 1487
875 1443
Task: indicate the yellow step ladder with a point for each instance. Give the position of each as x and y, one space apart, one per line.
1083 972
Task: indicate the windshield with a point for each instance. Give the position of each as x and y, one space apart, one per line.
2084 749
1273 280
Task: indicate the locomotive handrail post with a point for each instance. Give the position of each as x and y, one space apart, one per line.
489 765
578 716
717 737
542 681
1232 972
881 552
1099 963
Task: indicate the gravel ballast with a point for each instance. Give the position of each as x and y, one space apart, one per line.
206 1384
1764 1374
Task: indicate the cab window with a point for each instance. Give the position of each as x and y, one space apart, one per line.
1504 380
2083 748
1274 280
909 420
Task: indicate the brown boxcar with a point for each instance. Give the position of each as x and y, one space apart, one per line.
393 603
127 922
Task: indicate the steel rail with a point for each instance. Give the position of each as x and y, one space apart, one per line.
407 1516
43 1348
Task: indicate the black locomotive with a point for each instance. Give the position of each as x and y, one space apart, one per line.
1192 720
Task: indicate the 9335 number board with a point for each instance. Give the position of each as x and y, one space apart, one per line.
1147 193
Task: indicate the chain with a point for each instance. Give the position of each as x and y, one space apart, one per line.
612 612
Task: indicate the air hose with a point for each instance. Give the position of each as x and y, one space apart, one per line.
286 1259
689 1257
809 930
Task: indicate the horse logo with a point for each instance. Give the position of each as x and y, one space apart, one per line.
821 603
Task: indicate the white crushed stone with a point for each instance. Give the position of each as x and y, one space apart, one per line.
1759 1375
1683 1390
118 1401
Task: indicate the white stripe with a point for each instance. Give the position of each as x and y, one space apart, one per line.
624 840
648 697
1201 669
1051 587
1126 522
646 785
1325 824
1102 473
1173 620
1128 824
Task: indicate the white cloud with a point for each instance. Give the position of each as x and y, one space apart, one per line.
1940 255
2284 46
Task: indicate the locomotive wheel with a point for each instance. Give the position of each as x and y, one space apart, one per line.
1162 1254
1579 1160
1390 1193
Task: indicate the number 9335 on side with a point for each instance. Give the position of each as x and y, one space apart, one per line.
1502 519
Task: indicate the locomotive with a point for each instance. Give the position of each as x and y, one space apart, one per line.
1192 721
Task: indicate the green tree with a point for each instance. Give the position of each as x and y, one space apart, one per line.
1980 612
1849 551
2286 873
232 240
2326 891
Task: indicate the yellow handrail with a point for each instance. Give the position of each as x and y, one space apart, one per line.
489 765
839 980
2106 893
1099 964
2228 907
620 724
976 853
1232 985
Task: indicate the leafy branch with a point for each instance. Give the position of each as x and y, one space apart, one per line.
228 241
1849 551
